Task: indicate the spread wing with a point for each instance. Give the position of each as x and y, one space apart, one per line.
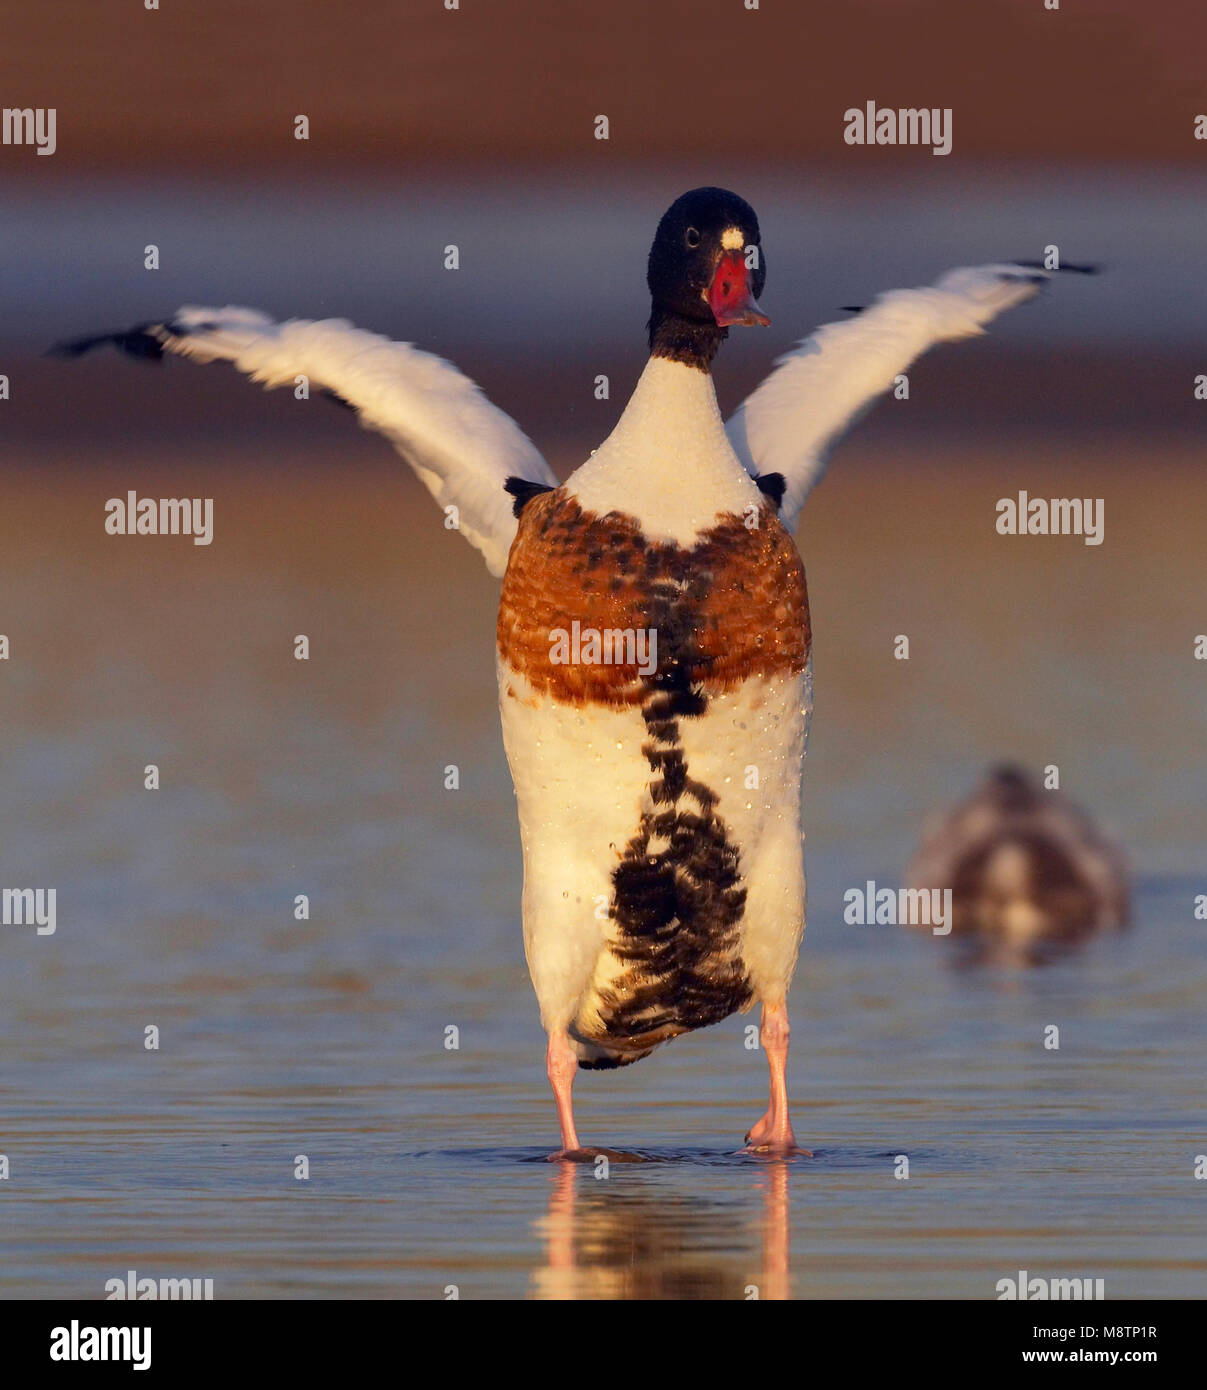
790 422
463 448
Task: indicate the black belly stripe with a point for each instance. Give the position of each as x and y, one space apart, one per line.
678 911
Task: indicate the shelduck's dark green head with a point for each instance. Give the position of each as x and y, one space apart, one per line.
706 272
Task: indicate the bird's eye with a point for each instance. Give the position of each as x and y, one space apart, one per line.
692 238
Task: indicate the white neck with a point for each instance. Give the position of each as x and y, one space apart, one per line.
668 462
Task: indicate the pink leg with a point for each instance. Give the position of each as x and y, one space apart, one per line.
773 1134
562 1064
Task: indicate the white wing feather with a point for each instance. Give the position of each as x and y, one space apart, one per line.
462 447
788 424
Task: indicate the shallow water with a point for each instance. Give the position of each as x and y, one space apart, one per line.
428 1167
326 1037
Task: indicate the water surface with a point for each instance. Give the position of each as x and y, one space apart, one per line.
325 1038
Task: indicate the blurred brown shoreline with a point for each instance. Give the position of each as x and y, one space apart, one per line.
390 86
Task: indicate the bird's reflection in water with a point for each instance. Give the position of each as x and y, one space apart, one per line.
604 1240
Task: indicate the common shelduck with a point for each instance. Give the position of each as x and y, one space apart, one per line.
1026 867
653 645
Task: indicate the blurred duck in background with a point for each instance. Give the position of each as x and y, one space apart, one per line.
1027 868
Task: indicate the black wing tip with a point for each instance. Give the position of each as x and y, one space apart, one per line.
852 308
523 491
145 340
772 485
141 342
1073 267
